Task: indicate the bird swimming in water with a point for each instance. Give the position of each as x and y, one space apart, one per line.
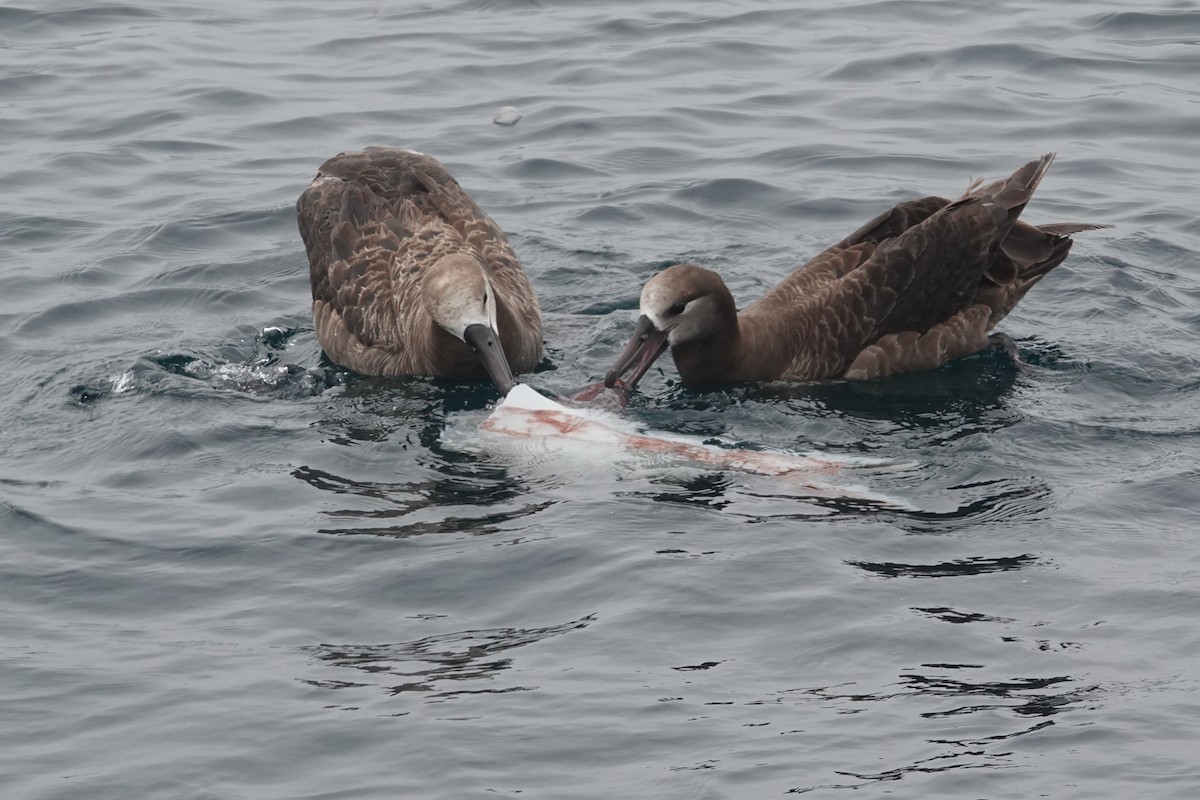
918 286
409 276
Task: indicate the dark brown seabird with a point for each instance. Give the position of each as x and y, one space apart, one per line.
914 288
409 276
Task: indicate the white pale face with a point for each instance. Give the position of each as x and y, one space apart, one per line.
682 319
459 295
682 302
467 306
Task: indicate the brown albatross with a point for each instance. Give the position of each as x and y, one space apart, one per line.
914 288
409 276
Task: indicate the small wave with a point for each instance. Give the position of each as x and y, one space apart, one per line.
1160 26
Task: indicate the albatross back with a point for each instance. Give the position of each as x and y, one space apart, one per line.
376 224
915 287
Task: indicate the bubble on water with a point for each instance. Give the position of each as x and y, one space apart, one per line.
507 115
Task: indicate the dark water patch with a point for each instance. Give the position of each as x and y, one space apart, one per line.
86 394
486 487
697 667
993 691
975 565
1006 701
707 490
1020 695
998 503
445 524
812 506
475 500
429 666
963 399
406 412
957 617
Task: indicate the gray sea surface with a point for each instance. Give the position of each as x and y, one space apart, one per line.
230 569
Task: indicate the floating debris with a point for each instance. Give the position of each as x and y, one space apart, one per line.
507 115
598 435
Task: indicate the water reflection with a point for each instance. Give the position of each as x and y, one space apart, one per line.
964 397
406 482
434 665
707 489
997 501
912 418
975 565
891 495
960 617
1011 691
439 495
729 494
411 410
1021 698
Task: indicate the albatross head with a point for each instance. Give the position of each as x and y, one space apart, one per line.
682 305
459 296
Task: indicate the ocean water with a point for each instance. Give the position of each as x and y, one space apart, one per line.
229 569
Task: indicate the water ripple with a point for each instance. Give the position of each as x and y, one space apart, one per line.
194 498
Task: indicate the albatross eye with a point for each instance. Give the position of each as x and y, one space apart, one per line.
677 309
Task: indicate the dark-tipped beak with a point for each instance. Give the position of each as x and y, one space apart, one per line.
646 345
482 339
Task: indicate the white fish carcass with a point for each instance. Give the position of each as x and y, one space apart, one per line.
526 415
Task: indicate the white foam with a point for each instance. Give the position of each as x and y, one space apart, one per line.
123 382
